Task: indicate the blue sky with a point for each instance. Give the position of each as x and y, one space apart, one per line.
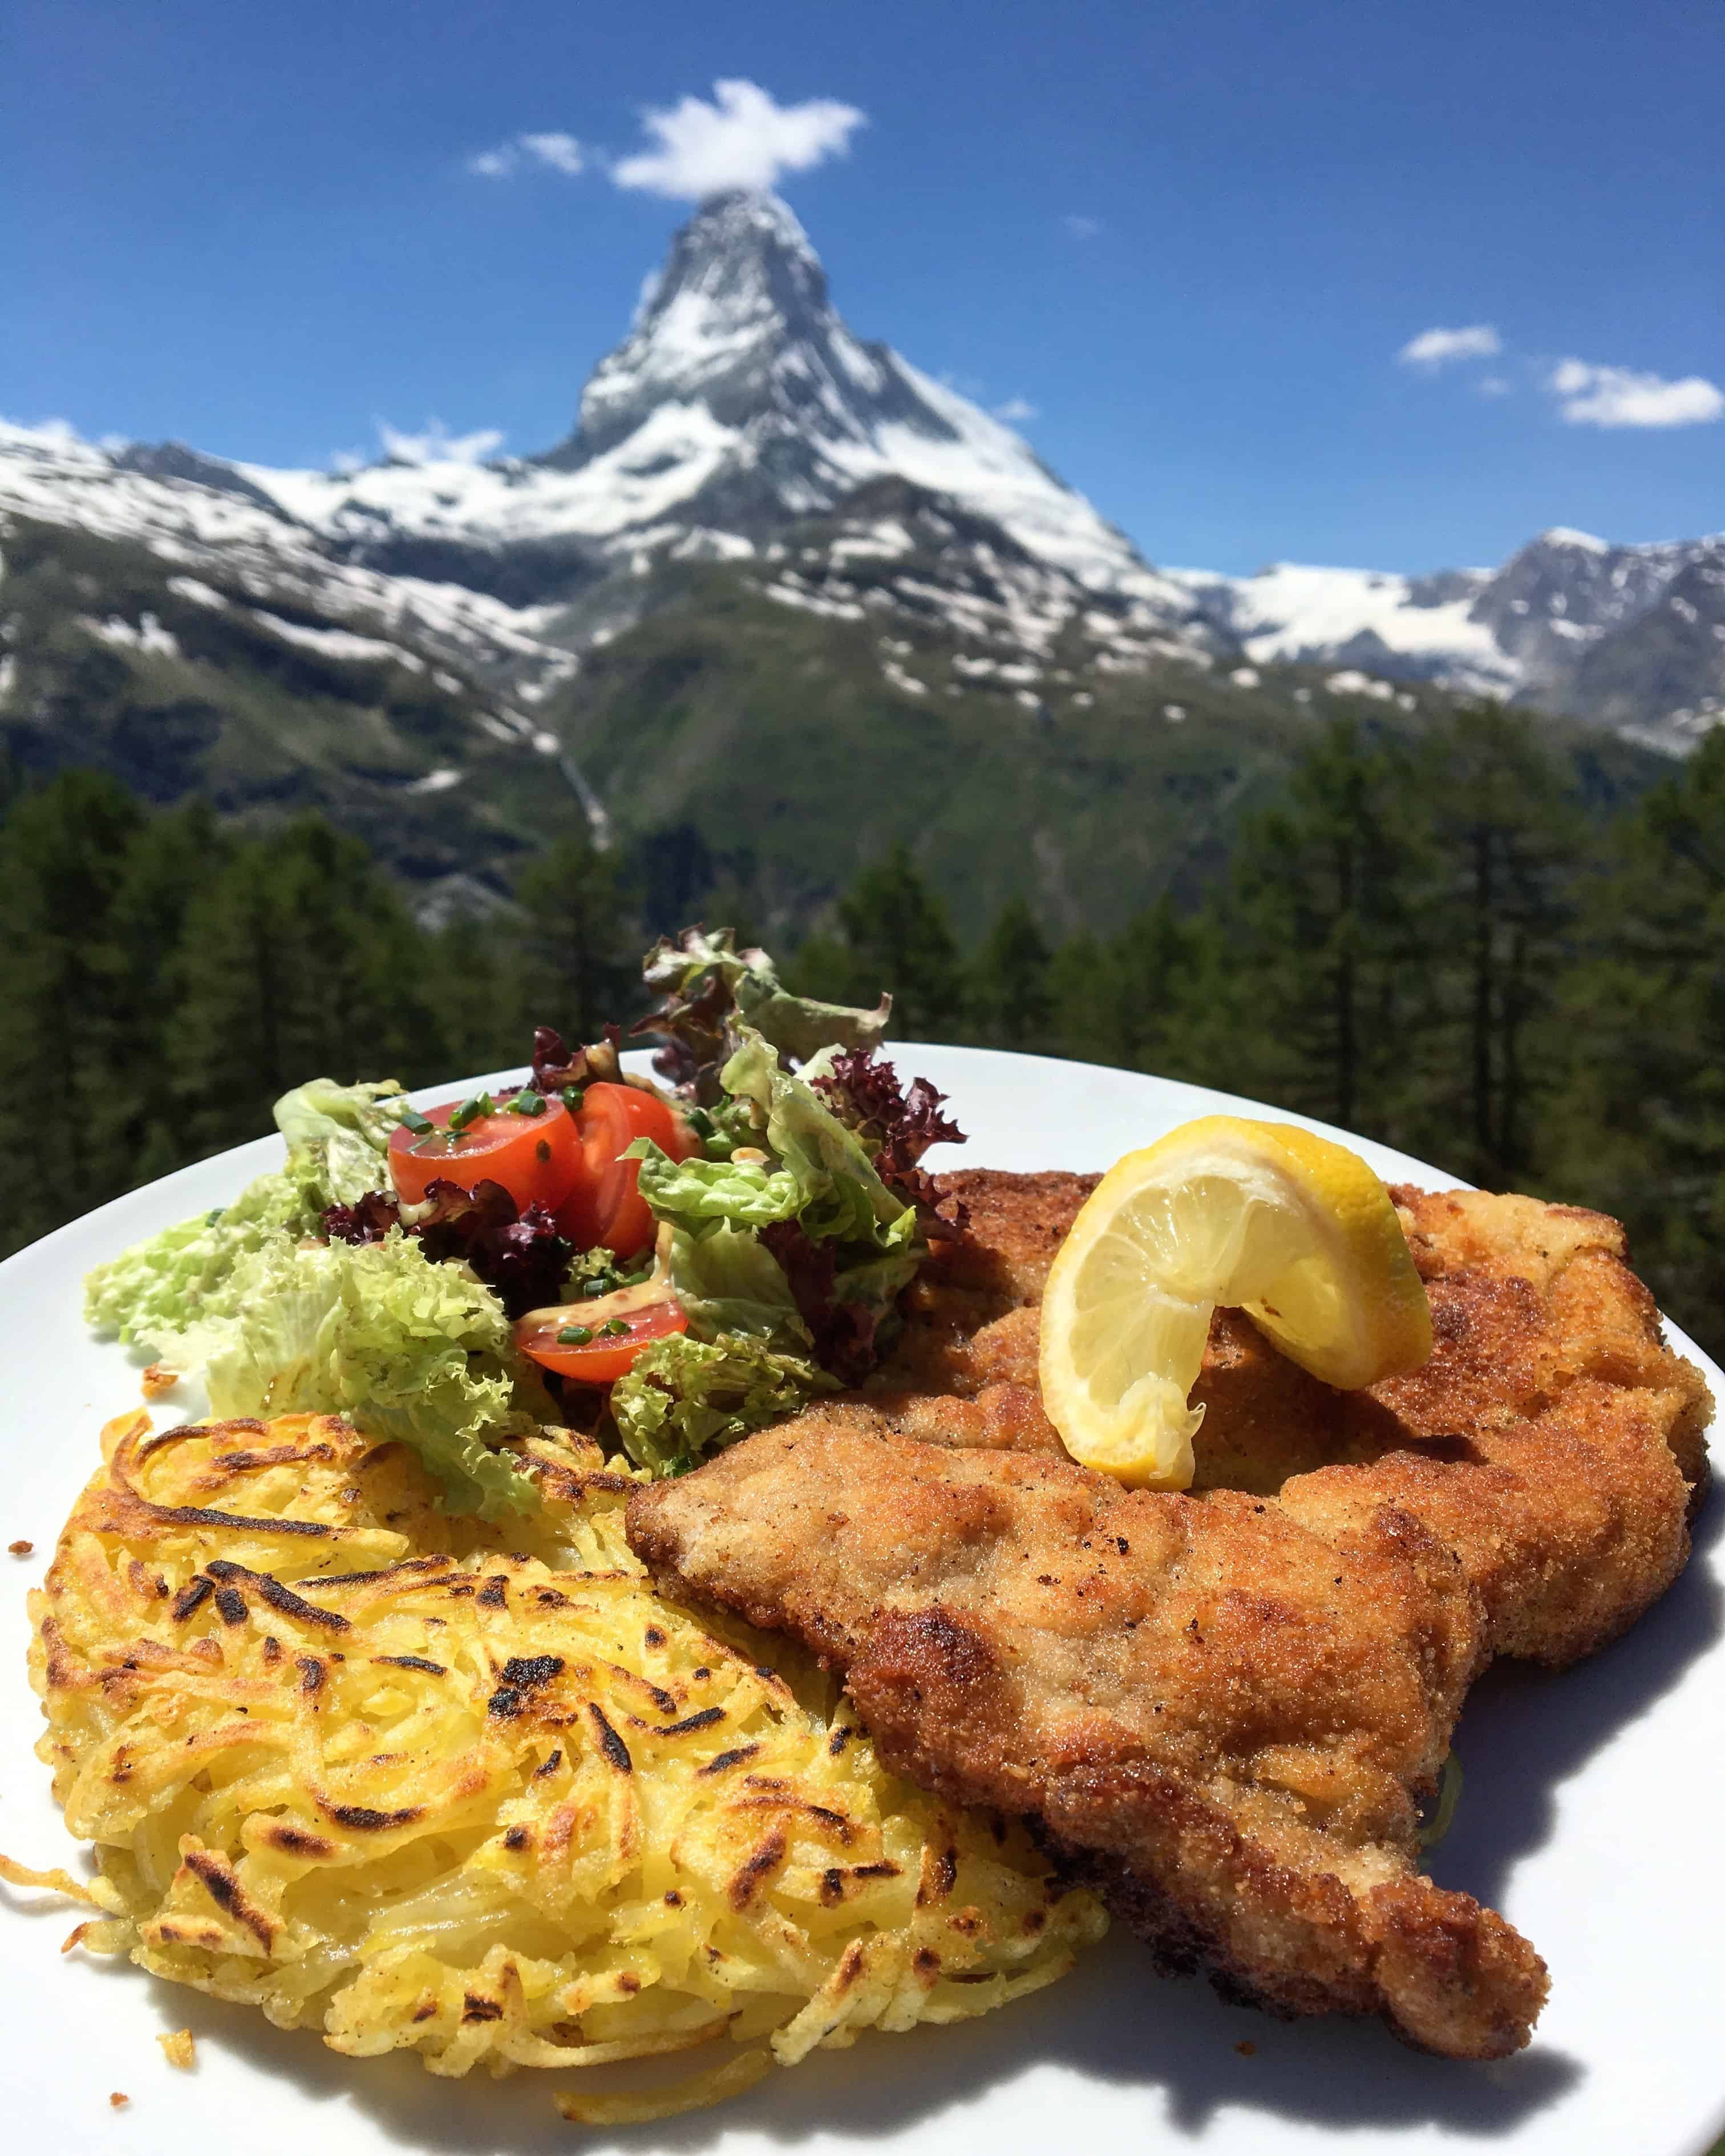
1194 238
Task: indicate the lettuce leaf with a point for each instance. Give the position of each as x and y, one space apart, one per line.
280 1324
794 1240
685 1397
410 1349
711 989
842 1198
701 1195
728 1282
338 1138
170 1291
157 1290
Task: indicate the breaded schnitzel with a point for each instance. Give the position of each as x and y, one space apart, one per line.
1225 1707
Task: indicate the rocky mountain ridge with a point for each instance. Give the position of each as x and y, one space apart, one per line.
454 655
739 406
1630 637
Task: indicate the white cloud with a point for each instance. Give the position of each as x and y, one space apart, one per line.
1494 385
1082 227
561 152
558 152
1435 348
437 446
743 139
1015 409
1590 396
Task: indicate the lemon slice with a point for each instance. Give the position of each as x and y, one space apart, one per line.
1295 1230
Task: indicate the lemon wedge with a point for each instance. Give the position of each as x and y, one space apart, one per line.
1292 1228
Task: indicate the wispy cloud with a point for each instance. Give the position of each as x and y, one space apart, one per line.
561 152
1587 394
1590 396
1435 348
437 446
1016 410
1082 227
554 152
743 139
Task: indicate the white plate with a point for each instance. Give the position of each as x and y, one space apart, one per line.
1588 1817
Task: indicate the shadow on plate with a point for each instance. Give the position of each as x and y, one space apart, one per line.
1132 2055
1151 2055
1525 1731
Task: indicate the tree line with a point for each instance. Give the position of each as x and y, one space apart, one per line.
1429 940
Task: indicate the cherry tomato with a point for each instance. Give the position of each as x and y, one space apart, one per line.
606 1206
605 1354
535 1158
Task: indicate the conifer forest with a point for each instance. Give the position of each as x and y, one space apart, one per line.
1434 939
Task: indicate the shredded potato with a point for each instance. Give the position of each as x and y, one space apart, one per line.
345 1758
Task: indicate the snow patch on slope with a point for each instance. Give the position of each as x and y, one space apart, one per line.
1292 612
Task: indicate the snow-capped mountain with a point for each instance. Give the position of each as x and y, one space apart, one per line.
738 400
742 424
1633 637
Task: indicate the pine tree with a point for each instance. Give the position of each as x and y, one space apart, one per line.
1168 1015
897 933
1013 1004
1495 921
173 857
1085 1000
1319 929
1638 1128
580 944
299 962
70 1054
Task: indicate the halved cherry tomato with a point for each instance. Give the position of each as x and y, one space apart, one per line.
535 1158
606 1207
607 1352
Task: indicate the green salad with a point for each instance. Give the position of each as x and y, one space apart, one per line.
667 1265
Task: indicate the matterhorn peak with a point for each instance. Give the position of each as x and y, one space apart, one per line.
738 320
741 263
740 399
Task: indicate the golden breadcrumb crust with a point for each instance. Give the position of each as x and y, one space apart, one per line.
1227 1707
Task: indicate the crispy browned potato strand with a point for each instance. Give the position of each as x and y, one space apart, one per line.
1226 1708
474 1791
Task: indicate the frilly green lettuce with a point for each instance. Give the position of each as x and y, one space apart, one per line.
279 1324
685 1397
338 1138
169 1291
701 1195
408 1349
815 1173
711 989
728 1281
843 1198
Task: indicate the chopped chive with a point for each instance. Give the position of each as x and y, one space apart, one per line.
614 1325
417 1124
527 1102
700 1122
595 1288
573 1097
574 1336
472 1112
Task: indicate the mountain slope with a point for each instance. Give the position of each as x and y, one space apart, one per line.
757 755
739 400
770 558
1619 635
